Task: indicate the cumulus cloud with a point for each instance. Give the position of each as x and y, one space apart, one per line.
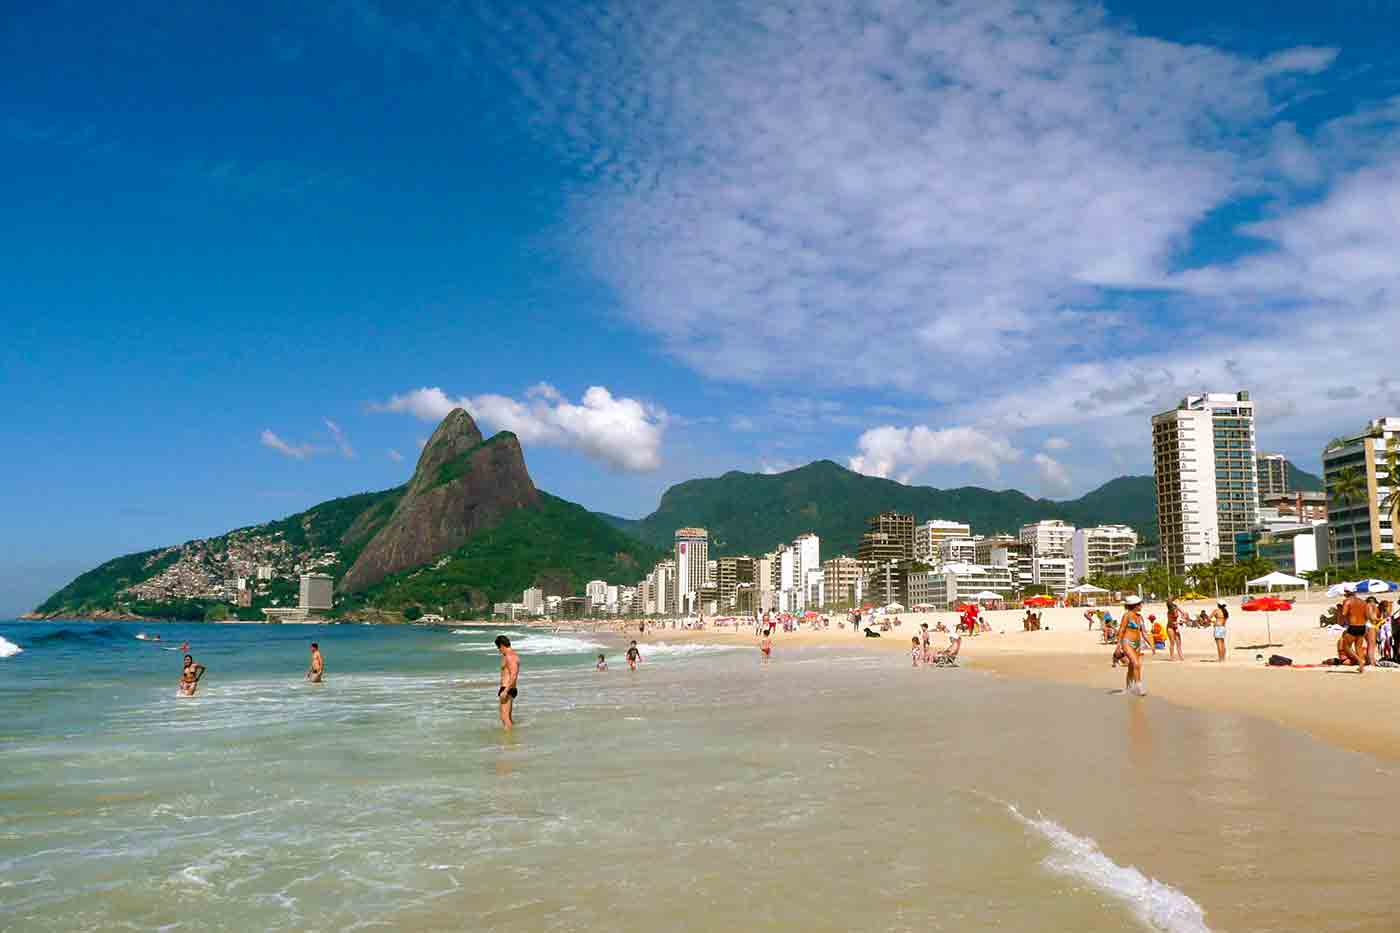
1054 478
620 433
902 453
295 451
1057 443
342 443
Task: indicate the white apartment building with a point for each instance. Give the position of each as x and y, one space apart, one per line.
929 534
611 598
692 557
952 583
1205 464
956 551
764 567
1056 574
533 600
597 593
1094 547
317 591
1359 524
1050 537
796 562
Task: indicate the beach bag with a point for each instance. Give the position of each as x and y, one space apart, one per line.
1278 660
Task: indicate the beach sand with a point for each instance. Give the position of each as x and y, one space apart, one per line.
1332 704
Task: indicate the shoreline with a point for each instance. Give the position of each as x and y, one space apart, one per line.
1330 704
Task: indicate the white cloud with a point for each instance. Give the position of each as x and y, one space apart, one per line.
904 452
772 467
394 455
621 433
742 423
1054 478
342 443
295 451
1057 443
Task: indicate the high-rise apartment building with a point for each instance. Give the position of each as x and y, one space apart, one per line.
1056 574
317 591
1093 548
692 564
956 551
1203 457
1049 538
1007 551
1359 487
533 600
1273 474
841 581
888 536
730 572
764 567
928 535
597 593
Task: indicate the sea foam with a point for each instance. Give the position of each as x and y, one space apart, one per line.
8 649
663 650
1159 905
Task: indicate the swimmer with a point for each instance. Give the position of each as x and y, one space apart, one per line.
189 677
318 664
634 657
602 663
510 680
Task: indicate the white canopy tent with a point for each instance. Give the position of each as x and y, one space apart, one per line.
1087 589
1278 579
987 594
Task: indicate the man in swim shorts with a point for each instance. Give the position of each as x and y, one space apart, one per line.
634 657
318 664
510 679
1354 617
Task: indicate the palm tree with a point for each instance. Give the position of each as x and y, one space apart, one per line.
1347 487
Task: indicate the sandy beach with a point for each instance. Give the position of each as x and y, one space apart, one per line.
1329 703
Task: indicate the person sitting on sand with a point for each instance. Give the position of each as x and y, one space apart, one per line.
940 627
949 655
602 663
189 677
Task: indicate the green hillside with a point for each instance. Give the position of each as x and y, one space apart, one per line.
1302 480
556 545
753 512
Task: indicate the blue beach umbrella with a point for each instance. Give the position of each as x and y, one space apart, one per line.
1376 586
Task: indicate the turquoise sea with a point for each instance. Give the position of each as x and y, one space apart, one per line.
823 790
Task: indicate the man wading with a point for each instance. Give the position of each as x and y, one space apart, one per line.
510 677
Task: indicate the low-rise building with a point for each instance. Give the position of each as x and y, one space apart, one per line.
1134 562
953 583
1092 548
956 551
1055 574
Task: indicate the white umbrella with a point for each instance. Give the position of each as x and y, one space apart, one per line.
987 594
1340 589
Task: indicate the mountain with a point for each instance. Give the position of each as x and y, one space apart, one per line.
753 512
1302 480
461 485
467 530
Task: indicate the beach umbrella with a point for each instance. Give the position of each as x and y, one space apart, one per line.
1339 589
1376 586
1267 605
1039 602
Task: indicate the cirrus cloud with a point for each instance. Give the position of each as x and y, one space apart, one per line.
621 433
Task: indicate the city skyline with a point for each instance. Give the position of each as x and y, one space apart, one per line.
668 243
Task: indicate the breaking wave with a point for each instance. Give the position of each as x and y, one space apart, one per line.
8 649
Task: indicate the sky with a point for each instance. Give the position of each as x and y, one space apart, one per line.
252 252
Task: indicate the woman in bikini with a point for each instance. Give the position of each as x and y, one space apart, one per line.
1174 615
1220 618
189 677
1131 635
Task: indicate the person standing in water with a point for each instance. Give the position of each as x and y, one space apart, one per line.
634 657
766 646
510 680
1131 635
189 677
318 664
1220 619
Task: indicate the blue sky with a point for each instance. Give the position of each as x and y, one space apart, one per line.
250 254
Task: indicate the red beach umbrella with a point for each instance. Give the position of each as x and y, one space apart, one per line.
1039 602
1267 605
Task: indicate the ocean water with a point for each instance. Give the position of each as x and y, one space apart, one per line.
822 790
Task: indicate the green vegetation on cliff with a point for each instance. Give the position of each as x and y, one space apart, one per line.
555 544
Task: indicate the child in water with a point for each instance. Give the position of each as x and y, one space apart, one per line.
917 651
602 663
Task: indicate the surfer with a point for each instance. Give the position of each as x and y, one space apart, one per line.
510 679
189 677
318 664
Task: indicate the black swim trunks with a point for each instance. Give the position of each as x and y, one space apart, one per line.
1356 631
512 693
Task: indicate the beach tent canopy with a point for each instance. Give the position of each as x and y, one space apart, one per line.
1087 588
1277 578
895 606
987 594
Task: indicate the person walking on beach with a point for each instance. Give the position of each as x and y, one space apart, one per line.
634 657
318 664
1220 619
1354 617
1174 618
766 646
1131 635
510 681
923 634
